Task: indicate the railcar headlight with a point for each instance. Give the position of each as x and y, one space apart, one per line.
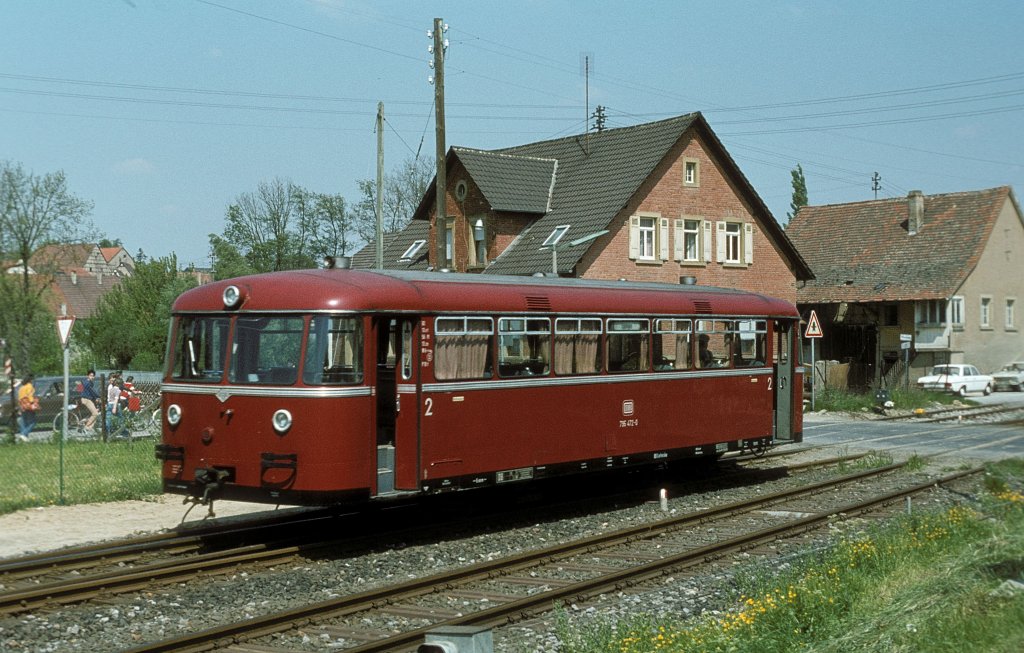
232 297
282 421
173 414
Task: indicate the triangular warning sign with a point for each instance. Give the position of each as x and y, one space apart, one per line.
64 325
813 327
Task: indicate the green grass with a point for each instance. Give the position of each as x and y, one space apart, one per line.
93 472
929 582
846 401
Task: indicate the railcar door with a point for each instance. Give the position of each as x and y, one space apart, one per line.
782 380
397 402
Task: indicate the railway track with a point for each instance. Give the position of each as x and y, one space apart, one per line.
523 586
96 571
953 413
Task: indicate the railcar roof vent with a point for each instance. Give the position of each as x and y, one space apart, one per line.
537 303
702 307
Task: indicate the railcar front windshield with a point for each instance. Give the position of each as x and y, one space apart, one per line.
200 348
266 350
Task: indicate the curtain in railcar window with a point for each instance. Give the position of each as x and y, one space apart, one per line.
334 351
577 346
463 347
524 347
200 348
672 339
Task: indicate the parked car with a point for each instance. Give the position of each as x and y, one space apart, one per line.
50 391
959 379
1011 377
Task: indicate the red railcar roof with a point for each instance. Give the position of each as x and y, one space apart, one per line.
434 292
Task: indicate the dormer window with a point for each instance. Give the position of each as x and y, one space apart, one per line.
411 252
555 235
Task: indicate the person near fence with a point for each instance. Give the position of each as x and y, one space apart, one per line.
90 397
113 404
28 404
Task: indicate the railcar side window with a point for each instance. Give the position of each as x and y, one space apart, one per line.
200 348
750 343
524 346
463 347
714 343
673 342
265 350
577 345
627 345
334 351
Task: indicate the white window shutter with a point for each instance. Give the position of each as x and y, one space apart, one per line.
706 228
720 237
748 242
663 238
634 237
677 244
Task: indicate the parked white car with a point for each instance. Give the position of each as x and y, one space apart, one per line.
959 379
1011 377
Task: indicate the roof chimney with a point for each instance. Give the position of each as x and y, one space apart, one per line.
74 278
915 221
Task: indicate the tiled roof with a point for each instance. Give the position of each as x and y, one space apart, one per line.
595 177
394 246
81 291
863 251
511 183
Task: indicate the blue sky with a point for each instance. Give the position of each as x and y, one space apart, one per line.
162 112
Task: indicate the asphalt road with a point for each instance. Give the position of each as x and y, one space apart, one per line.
958 442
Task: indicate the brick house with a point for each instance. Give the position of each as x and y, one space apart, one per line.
947 270
659 201
79 274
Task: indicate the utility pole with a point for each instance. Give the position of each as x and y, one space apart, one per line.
441 211
380 186
875 185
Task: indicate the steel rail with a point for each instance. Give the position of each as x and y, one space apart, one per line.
255 627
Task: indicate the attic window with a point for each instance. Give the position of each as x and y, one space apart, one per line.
460 190
556 235
691 172
415 247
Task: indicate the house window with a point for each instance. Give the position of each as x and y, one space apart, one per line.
411 252
1010 318
956 312
690 243
647 234
691 172
648 238
932 311
986 312
735 243
449 244
478 240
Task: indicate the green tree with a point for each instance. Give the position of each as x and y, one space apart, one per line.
281 226
799 192
403 190
34 211
128 329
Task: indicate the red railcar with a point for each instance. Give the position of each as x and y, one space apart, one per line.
324 386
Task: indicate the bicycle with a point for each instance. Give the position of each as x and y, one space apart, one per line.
78 415
142 423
